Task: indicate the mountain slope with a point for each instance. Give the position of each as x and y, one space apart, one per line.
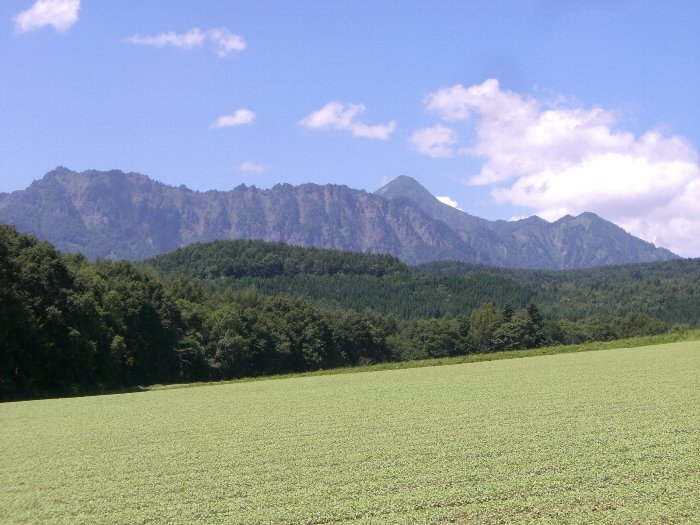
120 215
127 215
570 242
573 242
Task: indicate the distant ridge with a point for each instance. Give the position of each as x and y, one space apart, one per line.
568 243
127 215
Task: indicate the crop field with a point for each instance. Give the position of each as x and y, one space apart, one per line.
597 437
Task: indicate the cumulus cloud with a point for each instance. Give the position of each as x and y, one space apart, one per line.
449 201
61 14
558 158
222 41
238 118
251 167
339 116
436 141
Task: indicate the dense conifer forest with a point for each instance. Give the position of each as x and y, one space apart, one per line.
244 308
667 290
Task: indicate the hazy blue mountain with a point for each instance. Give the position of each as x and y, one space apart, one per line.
127 215
570 242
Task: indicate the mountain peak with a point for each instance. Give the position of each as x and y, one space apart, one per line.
409 188
403 186
58 171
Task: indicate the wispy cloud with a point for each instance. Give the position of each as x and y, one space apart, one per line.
222 41
61 14
436 141
192 38
558 158
339 116
226 42
238 118
251 167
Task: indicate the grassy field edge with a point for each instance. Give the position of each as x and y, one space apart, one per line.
633 342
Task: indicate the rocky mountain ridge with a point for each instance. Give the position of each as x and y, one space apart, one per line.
128 215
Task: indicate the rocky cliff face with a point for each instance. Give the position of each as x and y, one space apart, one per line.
127 215
120 215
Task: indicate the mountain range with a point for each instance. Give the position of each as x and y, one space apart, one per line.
128 215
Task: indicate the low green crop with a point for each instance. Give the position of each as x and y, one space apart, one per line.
595 437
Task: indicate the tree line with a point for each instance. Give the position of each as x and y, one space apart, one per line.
254 258
70 326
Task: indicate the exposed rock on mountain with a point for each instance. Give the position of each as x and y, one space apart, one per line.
127 215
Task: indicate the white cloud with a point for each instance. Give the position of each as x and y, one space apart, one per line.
339 116
192 38
222 40
251 167
238 118
449 201
437 141
558 158
61 14
226 42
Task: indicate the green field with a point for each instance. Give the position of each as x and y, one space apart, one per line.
596 437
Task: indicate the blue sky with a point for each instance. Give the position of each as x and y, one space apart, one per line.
509 108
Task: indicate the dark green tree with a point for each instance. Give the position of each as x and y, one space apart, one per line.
483 323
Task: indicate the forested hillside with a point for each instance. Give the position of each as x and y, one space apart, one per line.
69 325
246 258
335 279
667 290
